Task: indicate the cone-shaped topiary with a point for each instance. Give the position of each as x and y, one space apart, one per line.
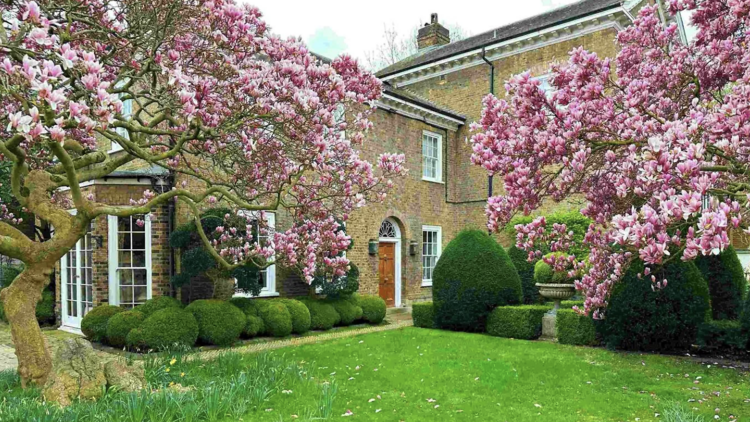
119 326
300 315
641 318
168 327
726 283
220 322
158 303
473 276
525 270
94 323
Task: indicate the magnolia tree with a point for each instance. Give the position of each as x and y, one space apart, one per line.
657 141
255 120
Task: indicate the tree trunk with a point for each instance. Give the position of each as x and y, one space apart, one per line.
20 300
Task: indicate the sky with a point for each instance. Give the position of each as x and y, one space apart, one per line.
333 27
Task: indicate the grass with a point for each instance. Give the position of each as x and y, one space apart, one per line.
411 374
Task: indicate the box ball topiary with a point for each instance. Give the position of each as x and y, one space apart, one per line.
300 315
219 322
254 326
168 327
573 328
158 303
423 314
94 323
347 310
726 283
323 316
119 326
525 269
473 276
246 305
520 322
641 318
277 319
373 308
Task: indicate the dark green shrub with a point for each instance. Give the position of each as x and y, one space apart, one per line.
722 337
246 305
323 316
347 310
423 314
576 329
166 328
300 315
254 326
639 318
526 273
94 323
521 322
158 303
45 309
373 308
575 222
336 287
473 276
219 322
745 320
277 319
10 272
726 283
119 326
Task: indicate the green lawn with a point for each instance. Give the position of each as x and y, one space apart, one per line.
410 374
419 374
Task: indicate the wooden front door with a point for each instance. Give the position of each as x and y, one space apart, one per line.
387 272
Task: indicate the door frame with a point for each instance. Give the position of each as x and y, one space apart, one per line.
68 323
397 260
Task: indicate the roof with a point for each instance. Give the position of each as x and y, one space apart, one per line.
411 97
152 170
535 23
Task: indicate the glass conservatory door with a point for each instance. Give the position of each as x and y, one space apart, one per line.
77 282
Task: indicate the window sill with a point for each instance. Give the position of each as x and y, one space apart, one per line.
426 284
440 182
261 295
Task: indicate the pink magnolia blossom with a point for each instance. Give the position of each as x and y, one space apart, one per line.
657 140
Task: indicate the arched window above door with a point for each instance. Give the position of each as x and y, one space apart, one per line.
388 230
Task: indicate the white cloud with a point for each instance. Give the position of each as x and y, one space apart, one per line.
326 42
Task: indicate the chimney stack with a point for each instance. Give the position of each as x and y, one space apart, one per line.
433 34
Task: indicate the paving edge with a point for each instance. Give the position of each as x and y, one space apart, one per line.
298 341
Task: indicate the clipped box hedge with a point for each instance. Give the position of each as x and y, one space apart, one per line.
722 336
423 315
521 322
576 329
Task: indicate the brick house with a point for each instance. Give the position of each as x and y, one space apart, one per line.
429 100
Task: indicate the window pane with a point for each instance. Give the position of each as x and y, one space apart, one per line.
139 241
124 259
125 277
139 259
123 224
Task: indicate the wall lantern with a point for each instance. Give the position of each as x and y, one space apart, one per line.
372 247
413 247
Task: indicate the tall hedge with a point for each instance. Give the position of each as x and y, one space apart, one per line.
640 318
525 269
726 283
473 276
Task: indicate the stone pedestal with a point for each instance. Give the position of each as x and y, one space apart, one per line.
549 330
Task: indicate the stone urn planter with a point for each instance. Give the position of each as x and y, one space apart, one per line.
558 293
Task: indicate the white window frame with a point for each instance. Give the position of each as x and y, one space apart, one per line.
71 323
270 289
439 171
545 80
439 232
115 146
113 254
